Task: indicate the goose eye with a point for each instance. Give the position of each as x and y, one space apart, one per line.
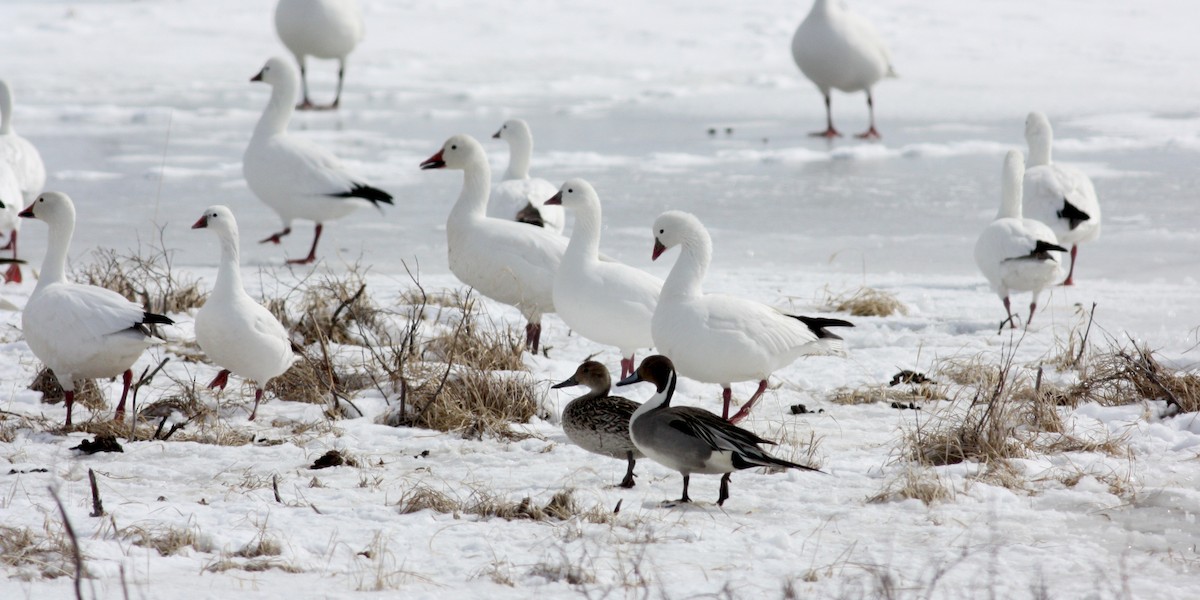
661 231
570 191
454 147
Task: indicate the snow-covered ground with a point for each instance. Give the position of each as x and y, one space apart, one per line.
142 109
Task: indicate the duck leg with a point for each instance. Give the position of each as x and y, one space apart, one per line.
275 238
1069 281
685 498
305 104
724 495
126 380
312 252
745 411
628 481
829 132
220 381
13 274
870 133
258 393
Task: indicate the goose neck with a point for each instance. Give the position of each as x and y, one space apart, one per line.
278 112
54 265
472 200
229 273
585 237
520 151
688 273
5 110
1039 151
1010 196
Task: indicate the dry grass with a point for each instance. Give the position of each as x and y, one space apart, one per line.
330 310
33 556
865 302
1121 375
919 483
87 392
253 565
166 540
561 507
146 276
867 394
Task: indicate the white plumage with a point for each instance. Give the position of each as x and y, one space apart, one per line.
80 331
717 338
297 178
504 260
1015 253
838 49
606 302
25 171
237 333
519 194
326 29
1057 195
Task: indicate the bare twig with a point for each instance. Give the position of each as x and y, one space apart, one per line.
97 505
76 555
1088 330
275 487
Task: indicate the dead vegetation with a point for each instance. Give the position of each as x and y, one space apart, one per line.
145 275
867 394
915 483
865 302
35 555
561 506
87 392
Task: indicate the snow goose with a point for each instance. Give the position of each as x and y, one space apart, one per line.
322 28
597 422
237 333
1059 196
1015 253
27 169
606 302
10 206
506 261
519 194
836 48
716 338
80 331
296 178
692 440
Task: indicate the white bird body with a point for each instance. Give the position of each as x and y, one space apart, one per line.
1015 253
506 261
79 331
12 199
606 302
717 338
237 333
296 178
328 29
837 49
18 152
517 190
1057 195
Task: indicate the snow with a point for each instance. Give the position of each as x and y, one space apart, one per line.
142 110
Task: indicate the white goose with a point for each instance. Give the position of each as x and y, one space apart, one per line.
322 28
504 260
838 49
297 178
1015 253
237 333
28 170
1059 196
716 338
519 194
80 331
606 302
10 206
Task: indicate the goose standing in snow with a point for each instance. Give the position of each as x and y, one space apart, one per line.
606 302
322 28
837 49
506 261
10 206
297 178
1059 196
27 169
692 440
1015 253
597 422
519 194
717 338
237 333
80 331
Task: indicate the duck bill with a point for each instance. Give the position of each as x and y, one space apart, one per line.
658 249
201 224
27 213
434 162
634 378
555 200
565 384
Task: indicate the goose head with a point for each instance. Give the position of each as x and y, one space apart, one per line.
575 194
1037 129
656 369
219 219
276 71
513 130
592 374
52 207
457 153
673 228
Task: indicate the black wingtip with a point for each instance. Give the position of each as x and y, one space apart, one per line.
366 192
1043 247
149 318
818 324
1072 214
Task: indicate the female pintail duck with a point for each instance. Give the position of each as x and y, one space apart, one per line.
597 422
